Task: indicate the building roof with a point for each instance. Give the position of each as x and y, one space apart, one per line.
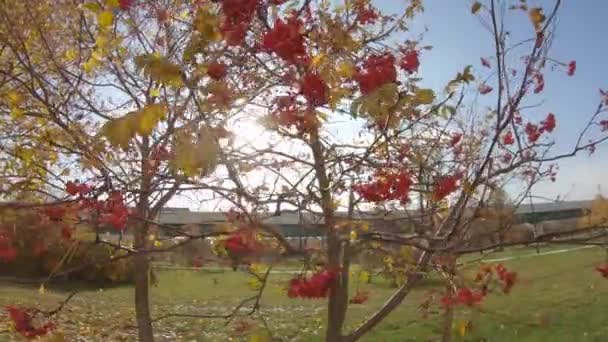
182 216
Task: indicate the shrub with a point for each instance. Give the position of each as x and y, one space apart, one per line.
47 247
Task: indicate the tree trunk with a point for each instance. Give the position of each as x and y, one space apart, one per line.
142 301
338 295
142 261
446 329
448 317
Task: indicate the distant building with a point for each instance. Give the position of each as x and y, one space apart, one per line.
293 225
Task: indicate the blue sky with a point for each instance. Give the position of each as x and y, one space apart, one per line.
459 39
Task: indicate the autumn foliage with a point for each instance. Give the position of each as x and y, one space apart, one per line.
315 286
316 108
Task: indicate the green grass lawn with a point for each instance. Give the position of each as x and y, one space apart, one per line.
558 297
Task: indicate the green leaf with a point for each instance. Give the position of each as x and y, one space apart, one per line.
105 19
93 7
424 96
465 77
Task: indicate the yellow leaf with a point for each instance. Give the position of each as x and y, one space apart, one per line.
317 60
17 113
147 118
462 328
259 337
119 132
335 96
160 69
207 25
105 19
364 226
92 6
155 92
71 55
353 235
258 268
91 64
424 96
537 17
14 98
379 103
364 277
254 283
196 158
346 69
476 7
342 38
112 3
321 115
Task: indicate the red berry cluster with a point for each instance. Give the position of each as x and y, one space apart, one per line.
387 186
241 242
365 13
317 286
604 125
285 39
23 321
112 211
508 138
125 4
76 188
55 212
603 270
216 70
288 114
534 132
444 186
237 17
464 296
548 125
378 70
456 138
410 62
314 89
571 68
507 278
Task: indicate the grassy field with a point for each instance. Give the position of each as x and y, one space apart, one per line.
559 297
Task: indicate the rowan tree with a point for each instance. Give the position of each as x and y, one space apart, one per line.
144 100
